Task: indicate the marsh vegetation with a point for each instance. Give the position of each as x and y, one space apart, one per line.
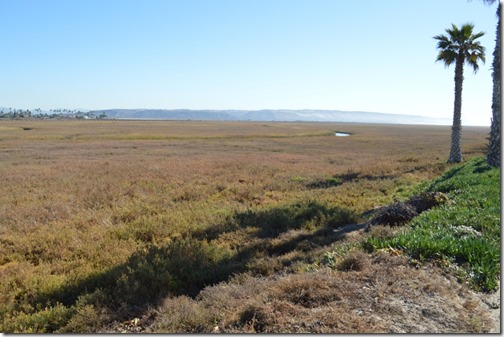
198 226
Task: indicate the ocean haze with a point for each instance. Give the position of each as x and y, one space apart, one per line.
273 115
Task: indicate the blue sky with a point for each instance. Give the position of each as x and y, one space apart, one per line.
366 55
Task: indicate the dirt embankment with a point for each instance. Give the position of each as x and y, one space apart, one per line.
381 293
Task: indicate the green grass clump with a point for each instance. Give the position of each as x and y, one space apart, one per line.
325 183
466 231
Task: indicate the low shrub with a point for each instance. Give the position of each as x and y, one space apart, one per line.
46 320
355 261
256 319
87 319
181 266
182 315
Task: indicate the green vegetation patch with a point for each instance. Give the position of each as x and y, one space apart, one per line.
464 232
325 183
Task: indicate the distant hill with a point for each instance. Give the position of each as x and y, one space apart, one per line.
272 115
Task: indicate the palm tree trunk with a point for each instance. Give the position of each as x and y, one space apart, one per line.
455 150
494 147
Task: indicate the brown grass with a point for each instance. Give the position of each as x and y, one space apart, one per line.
383 298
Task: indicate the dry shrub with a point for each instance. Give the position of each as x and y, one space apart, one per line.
400 213
256 319
386 260
309 292
355 261
182 315
394 215
276 316
382 232
235 292
427 200
264 266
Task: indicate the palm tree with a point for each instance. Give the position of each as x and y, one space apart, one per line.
494 147
459 47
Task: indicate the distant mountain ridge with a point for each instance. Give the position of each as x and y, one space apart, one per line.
272 115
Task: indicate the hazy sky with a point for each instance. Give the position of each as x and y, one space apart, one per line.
366 55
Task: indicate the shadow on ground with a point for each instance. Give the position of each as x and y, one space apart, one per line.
186 265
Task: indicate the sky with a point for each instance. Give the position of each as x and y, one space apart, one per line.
366 55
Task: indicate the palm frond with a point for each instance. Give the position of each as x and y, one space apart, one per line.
441 37
466 31
453 33
474 65
472 58
460 44
444 42
447 56
477 35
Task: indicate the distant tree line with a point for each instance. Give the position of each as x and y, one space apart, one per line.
55 114
16 114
